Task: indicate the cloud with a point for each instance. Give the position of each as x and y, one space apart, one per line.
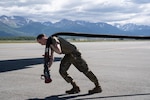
111 11
140 1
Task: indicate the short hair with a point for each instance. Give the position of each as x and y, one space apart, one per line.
40 36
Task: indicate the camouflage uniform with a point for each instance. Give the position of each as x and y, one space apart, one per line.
73 56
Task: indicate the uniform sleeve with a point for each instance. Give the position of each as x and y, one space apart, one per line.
55 40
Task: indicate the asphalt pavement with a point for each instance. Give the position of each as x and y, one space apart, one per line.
122 68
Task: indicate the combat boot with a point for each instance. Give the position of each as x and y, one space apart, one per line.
74 90
97 89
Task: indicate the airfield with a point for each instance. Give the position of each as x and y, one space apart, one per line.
122 68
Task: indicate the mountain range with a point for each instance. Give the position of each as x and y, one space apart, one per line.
21 26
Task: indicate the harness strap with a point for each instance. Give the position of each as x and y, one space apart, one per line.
101 35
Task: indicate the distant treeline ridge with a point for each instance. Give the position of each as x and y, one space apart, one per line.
18 38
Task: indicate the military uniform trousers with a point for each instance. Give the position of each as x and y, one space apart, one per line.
75 59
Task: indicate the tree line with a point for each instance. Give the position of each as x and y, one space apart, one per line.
18 38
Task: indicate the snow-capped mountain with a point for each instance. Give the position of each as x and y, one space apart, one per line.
134 29
14 21
131 27
18 26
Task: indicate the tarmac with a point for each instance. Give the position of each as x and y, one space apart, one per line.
122 68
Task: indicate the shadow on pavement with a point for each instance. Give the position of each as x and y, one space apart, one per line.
61 97
74 97
16 64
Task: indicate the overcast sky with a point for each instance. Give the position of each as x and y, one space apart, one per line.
109 11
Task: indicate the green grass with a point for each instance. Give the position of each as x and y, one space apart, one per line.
20 39
33 40
17 41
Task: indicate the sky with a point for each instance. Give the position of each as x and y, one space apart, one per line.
108 11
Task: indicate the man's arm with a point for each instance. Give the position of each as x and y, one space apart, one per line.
56 46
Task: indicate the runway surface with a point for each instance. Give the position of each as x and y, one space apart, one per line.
123 69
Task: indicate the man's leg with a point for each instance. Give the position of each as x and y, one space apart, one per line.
94 79
64 66
82 66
